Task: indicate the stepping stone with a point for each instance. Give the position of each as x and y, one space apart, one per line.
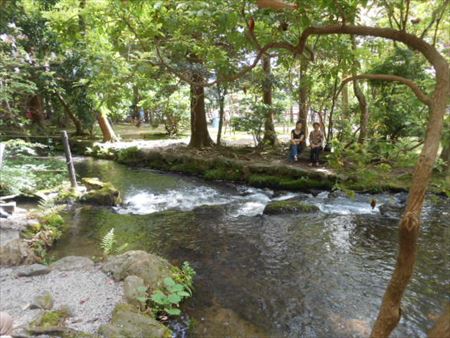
33 270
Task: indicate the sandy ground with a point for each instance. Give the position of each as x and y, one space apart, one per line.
90 295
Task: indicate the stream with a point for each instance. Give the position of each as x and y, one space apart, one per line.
302 275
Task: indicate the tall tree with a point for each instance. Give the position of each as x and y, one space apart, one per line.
270 136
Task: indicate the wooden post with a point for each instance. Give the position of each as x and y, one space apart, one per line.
69 161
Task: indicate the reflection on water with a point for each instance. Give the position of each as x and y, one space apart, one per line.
312 275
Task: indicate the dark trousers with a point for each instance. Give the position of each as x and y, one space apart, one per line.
314 154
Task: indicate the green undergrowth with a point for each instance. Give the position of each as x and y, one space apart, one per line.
51 319
165 301
25 174
41 235
222 174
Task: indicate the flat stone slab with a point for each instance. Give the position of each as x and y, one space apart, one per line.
71 263
32 270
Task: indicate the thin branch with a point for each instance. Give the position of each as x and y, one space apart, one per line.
434 17
385 77
405 18
391 14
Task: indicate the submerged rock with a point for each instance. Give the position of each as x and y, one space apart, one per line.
288 206
129 323
33 270
391 209
16 252
70 263
151 268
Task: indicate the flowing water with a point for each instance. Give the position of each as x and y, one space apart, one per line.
304 275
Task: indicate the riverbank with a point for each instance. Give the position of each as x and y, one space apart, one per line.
262 169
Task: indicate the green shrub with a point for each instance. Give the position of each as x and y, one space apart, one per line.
166 300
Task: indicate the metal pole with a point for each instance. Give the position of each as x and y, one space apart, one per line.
69 161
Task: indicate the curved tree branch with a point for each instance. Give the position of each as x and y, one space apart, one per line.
414 42
386 77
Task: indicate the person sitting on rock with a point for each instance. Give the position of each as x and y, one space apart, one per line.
297 142
315 141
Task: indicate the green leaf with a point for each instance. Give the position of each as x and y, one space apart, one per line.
174 298
141 289
159 298
142 299
173 312
183 294
176 288
168 281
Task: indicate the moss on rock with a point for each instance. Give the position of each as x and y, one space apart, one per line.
108 196
129 155
49 321
263 181
289 206
224 174
127 322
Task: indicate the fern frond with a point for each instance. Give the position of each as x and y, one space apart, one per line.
108 242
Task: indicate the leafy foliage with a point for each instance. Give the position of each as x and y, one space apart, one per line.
166 301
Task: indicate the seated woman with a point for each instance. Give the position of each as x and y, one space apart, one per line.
297 142
315 140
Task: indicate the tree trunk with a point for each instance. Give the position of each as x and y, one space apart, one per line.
362 102
35 105
345 100
71 115
441 328
199 128
364 112
108 133
445 156
303 96
221 94
390 312
270 136
330 118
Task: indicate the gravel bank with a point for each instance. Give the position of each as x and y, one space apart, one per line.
91 296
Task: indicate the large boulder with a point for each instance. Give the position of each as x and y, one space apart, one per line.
288 207
107 195
128 323
16 252
151 268
70 263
